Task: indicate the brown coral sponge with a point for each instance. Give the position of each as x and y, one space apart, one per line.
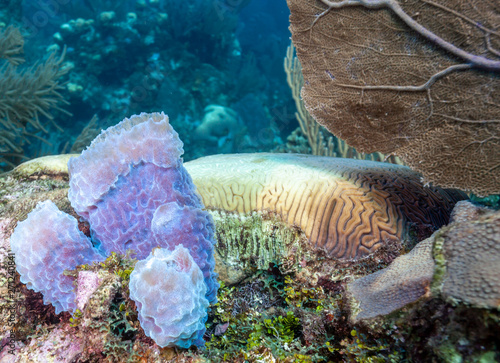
348 207
470 254
406 280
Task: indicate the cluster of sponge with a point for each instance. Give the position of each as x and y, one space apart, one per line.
43 252
131 187
169 292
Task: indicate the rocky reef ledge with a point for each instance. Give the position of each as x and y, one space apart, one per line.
280 300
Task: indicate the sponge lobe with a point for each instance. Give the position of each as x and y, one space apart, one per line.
45 244
141 138
175 224
122 219
169 291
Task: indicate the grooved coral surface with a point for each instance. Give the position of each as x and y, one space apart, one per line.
348 207
407 279
169 291
45 244
471 253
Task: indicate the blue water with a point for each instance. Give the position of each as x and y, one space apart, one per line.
186 58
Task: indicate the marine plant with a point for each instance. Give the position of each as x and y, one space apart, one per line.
27 96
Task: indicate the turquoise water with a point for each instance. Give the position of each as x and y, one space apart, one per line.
204 63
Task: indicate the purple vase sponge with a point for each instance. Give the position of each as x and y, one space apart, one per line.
45 244
169 291
174 225
130 171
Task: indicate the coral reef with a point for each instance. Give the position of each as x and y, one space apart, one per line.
220 125
132 56
416 87
139 154
363 205
295 308
169 290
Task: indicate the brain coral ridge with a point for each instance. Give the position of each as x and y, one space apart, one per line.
131 186
347 207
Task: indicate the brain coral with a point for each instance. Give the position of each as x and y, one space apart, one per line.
348 207
43 252
169 291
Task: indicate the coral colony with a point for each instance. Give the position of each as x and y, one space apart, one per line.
131 186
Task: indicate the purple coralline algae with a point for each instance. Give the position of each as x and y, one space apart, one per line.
132 189
43 251
169 291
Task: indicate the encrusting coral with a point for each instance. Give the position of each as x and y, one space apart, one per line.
467 256
459 262
142 198
416 79
350 208
407 279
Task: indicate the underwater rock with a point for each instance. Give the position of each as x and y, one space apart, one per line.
86 284
59 345
256 241
169 291
219 124
350 208
468 261
460 262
